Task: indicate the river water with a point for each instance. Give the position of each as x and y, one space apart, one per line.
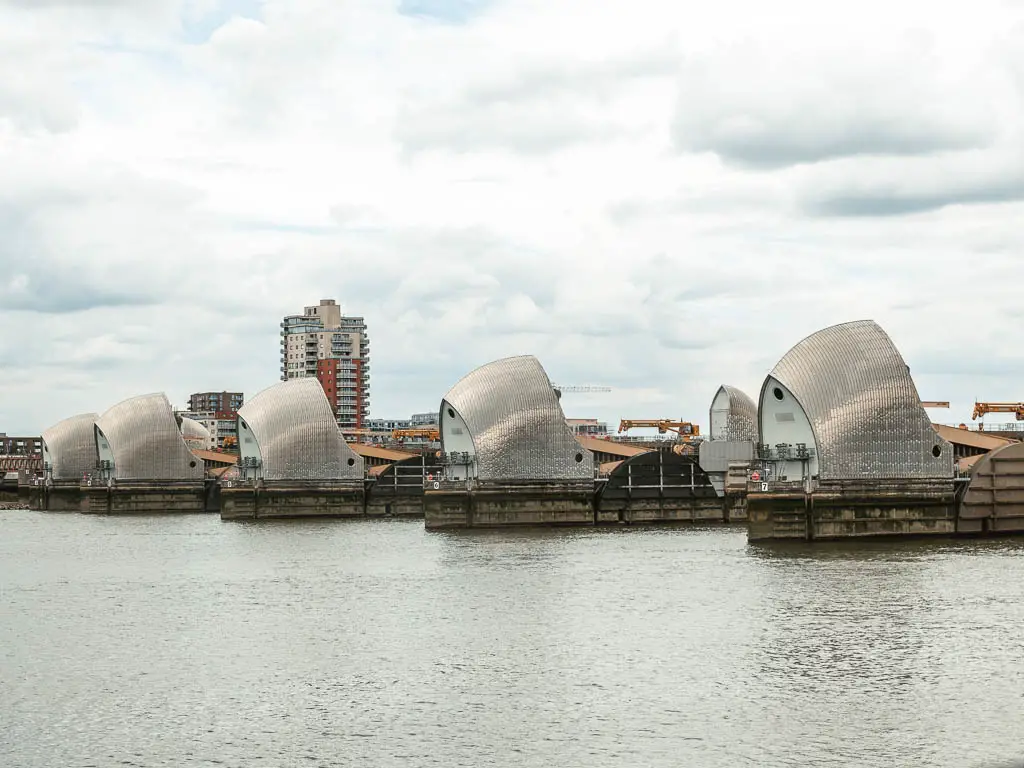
185 641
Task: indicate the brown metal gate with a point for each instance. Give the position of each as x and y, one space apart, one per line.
994 500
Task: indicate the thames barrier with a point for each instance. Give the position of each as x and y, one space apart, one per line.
837 445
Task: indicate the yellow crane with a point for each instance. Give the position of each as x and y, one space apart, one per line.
980 409
430 433
681 428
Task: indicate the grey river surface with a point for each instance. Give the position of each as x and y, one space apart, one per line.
185 641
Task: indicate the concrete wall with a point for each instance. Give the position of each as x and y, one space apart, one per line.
394 505
509 506
854 510
143 499
279 500
57 498
665 510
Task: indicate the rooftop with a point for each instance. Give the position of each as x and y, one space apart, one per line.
598 445
376 452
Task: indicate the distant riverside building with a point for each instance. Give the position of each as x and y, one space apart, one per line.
335 349
386 425
587 427
216 402
381 430
20 446
416 421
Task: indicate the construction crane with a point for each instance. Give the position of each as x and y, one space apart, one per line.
980 409
935 403
681 428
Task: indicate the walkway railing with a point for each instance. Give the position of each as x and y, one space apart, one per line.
1010 426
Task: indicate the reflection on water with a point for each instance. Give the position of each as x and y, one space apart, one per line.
185 641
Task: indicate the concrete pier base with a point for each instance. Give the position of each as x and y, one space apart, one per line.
61 497
841 510
735 509
36 497
298 499
143 499
509 505
395 505
398 490
664 510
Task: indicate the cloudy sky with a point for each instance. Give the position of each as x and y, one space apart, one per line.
653 195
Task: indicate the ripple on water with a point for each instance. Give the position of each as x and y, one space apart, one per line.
185 641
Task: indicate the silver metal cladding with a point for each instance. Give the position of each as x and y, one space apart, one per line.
741 419
146 442
298 434
517 424
71 445
863 406
193 431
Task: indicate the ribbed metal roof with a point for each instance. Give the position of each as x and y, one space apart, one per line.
71 447
517 424
740 419
298 434
863 406
194 432
146 442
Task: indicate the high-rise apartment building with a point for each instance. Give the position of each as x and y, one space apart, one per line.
216 402
334 348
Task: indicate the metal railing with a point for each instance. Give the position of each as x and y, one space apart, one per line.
1011 426
784 452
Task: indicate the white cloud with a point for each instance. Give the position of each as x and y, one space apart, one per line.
654 196
763 106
